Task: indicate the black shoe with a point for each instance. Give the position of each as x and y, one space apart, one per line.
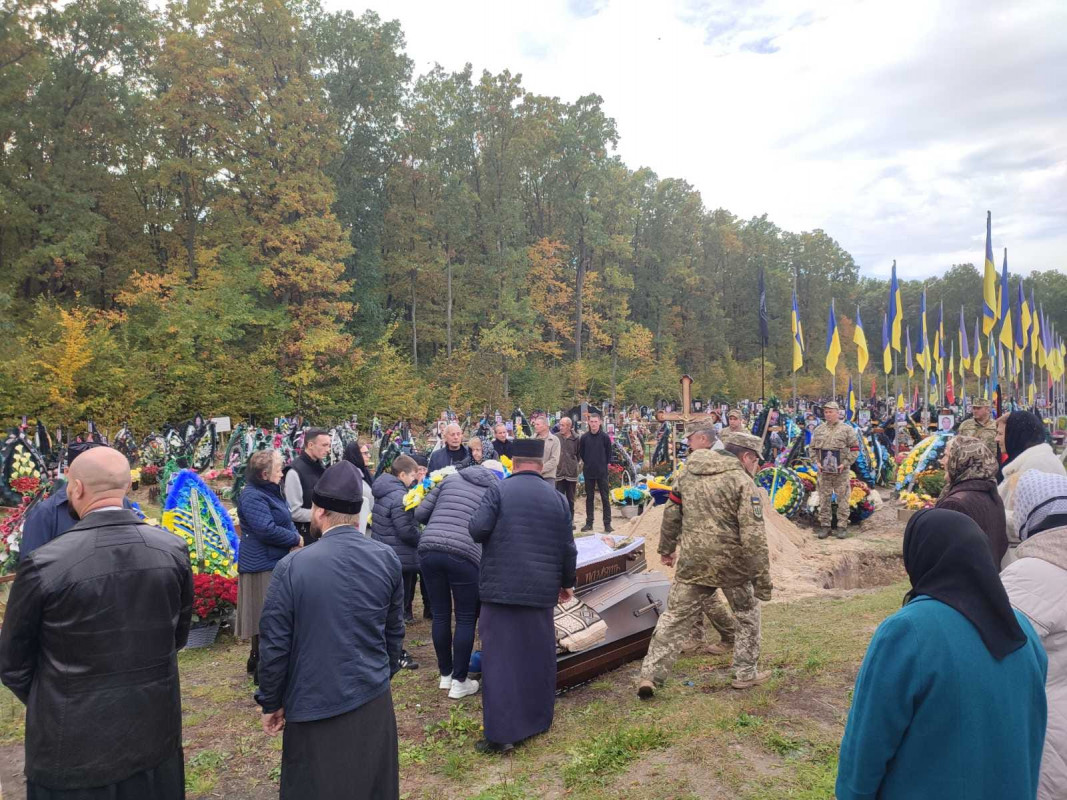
822 533
587 527
255 676
252 664
409 619
407 662
608 529
485 747
427 615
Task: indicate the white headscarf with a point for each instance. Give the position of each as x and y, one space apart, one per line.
1038 495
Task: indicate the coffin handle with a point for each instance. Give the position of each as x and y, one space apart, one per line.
653 605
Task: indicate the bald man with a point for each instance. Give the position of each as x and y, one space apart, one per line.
90 644
454 450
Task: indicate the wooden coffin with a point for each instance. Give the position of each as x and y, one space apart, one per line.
598 563
630 604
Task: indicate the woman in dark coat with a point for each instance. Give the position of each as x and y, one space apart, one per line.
267 535
971 489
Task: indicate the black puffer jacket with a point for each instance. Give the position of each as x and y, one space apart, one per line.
528 551
90 644
447 510
391 524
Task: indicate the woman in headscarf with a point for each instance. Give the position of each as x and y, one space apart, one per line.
971 489
1026 445
357 454
1036 583
950 700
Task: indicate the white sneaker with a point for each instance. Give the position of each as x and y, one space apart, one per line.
463 689
446 682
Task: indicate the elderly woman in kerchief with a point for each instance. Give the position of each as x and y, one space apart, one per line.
950 700
971 489
1036 583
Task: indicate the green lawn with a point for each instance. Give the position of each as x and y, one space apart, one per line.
697 739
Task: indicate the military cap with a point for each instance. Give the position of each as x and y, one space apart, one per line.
734 412
979 402
528 448
700 426
339 489
832 405
745 440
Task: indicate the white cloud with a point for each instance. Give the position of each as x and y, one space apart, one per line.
892 126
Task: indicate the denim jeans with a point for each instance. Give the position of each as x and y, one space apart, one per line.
450 580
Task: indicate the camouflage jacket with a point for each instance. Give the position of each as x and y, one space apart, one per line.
838 438
986 432
715 519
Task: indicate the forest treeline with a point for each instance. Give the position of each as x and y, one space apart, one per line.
257 207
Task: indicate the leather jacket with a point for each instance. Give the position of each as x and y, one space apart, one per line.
90 644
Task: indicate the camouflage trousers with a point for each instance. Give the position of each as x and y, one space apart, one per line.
828 484
685 604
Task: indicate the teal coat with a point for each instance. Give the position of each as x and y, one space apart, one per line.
936 717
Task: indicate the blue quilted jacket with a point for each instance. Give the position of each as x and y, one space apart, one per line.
267 530
391 524
528 551
447 510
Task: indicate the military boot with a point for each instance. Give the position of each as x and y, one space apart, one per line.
822 533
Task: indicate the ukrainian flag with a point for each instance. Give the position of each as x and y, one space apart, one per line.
965 353
976 361
989 281
850 402
908 363
939 337
1035 329
1006 334
833 341
1021 323
922 354
860 338
896 310
1039 333
887 350
798 344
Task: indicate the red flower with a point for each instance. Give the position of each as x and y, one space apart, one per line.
213 594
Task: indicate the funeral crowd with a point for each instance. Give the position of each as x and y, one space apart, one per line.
962 693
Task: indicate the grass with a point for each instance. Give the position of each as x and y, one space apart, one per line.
696 738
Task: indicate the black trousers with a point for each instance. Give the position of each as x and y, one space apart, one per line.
410 579
600 485
567 489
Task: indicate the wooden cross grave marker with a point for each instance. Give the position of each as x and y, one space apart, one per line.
679 420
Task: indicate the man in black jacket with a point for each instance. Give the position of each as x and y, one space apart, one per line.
90 643
594 449
331 636
528 565
301 477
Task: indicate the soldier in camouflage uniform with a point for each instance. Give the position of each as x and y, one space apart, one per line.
981 425
834 446
714 519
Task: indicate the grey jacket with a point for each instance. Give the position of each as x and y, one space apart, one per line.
447 511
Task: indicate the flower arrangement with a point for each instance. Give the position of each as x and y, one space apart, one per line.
916 501
860 502
11 536
213 596
506 461
788 489
193 512
808 475
25 476
920 458
149 474
931 481
417 492
630 495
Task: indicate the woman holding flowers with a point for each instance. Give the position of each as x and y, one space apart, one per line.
267 535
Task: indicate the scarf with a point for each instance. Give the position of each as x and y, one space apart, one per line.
947 557
1039 503
968 459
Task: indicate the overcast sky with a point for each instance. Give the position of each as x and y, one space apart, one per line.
893 126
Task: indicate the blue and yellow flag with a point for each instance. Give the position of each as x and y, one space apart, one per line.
922 352
833 341
990 307
909 365
965 353
976 360
1007 336
896 310
887 349
1035 330
1021 322
860 338
850 402
901 405
938 349
798 344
